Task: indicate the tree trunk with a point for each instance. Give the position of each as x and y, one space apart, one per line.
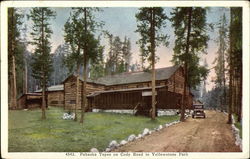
10 86
14 103
224 92
230 74
240 94
224 79
44 78
26 77
221 100
77 91
183 108
84 100
152 29
174 83
43 99
13 83
25 88
230 98
235 93
182 118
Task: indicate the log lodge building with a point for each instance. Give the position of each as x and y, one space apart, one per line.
129 90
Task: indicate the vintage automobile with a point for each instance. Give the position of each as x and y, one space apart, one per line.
198 111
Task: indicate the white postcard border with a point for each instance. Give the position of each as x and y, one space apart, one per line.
4 67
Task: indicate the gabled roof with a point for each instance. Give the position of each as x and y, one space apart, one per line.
123 78
132 77
31 94
80 78
135 77
59 87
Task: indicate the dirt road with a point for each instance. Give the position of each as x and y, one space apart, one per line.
195 135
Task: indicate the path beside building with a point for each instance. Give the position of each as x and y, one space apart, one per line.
195 135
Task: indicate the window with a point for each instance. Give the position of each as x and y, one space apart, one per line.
72 101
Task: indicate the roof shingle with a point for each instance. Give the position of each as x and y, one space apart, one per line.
125 78
134 77
59 87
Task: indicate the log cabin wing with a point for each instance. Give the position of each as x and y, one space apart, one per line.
130 98
109 88
70 90
55 95
119 91
30 101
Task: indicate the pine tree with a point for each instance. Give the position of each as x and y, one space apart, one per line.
142 58
42 61
235 63
60 71
220 68
150 21
25 61
126 53
204 90
74 59
97 66
109 65
97 70
80 33
14 23
20 66
191 39
119 55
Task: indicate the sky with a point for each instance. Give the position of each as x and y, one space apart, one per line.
122 22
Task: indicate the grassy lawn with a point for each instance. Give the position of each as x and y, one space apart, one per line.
28 133
238 125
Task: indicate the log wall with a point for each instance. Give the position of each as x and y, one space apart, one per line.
176 82
117 100
166 100
21 102
56 98
29 101
129 99
70 92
